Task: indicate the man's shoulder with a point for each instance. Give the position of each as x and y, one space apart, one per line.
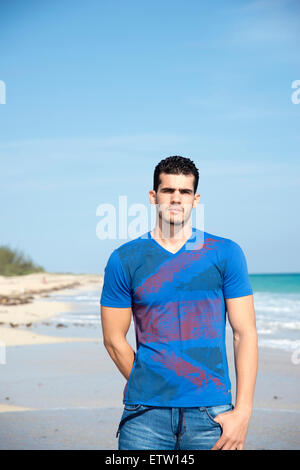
226 246
132 249
220 240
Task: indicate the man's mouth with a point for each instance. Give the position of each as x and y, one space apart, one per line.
175 210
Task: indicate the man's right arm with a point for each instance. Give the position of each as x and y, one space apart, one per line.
115 325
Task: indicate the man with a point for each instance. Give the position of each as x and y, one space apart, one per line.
179 282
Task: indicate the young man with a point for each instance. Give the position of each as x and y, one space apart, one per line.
178 282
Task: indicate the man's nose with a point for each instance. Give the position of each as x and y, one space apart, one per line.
176 197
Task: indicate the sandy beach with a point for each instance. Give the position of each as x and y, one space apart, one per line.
22 304
60 390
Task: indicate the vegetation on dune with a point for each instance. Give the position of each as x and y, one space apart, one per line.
15 263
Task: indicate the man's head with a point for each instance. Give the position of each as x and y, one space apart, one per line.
175 184
175 165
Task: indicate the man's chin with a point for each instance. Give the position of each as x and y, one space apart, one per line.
177 220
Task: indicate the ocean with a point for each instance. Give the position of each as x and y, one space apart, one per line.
277 308
276 300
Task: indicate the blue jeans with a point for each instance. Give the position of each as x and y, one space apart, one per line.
165 428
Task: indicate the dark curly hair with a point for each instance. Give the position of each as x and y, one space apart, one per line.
175 165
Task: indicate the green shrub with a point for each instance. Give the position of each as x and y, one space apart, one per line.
14 263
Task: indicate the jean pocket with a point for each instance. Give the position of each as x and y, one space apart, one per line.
134 407
213 411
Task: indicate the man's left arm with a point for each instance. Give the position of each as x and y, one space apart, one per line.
241 316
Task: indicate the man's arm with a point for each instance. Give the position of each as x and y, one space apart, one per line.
241 316
115 325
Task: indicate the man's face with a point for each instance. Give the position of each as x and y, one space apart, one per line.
175 198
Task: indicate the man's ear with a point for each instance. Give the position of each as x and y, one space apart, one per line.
152 196
196 199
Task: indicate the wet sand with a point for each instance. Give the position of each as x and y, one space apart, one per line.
23 303
68 394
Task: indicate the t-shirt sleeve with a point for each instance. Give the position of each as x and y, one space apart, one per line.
116 291
236 282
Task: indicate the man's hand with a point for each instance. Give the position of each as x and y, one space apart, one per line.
234 426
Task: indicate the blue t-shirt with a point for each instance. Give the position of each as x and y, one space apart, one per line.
179 312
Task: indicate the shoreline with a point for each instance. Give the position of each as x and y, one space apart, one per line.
67 383
23 303
69 396
22 289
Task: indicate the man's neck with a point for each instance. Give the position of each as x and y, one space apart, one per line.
170 237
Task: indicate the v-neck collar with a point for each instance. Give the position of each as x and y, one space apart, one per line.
170 252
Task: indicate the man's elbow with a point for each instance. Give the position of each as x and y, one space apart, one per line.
113 343
247 334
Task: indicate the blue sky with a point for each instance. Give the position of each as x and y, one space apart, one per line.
98 92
